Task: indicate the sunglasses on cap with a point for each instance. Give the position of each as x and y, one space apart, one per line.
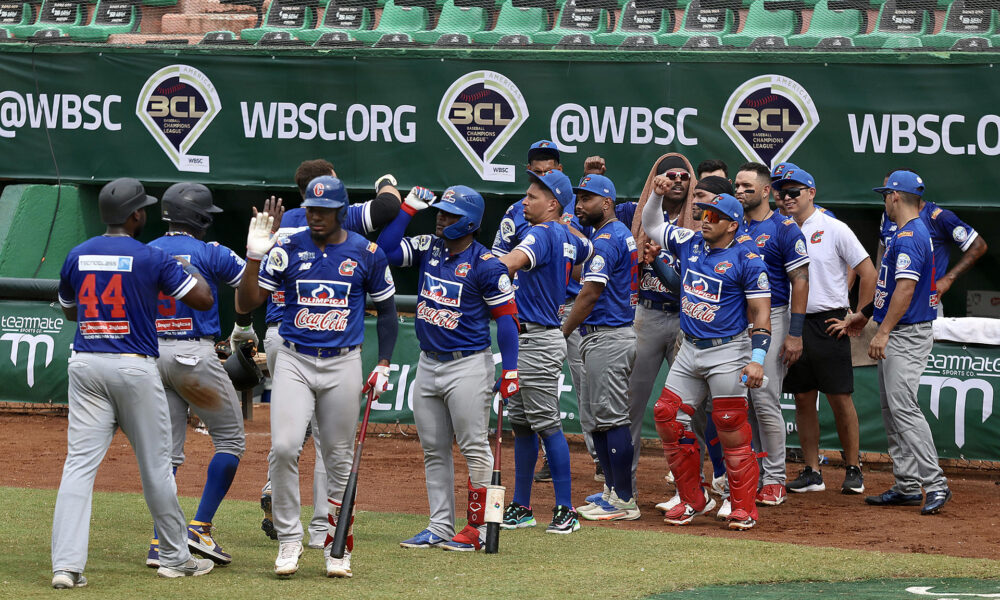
790 193
713 216
675 175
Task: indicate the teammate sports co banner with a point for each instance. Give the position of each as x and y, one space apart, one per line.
437 119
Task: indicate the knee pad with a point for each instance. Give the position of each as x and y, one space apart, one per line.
477 505
521 430
665 416
551 431
729 414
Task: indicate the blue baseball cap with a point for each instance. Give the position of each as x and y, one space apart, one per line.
725 204
558 183
779 169
794 175
903 181
543 149
596 184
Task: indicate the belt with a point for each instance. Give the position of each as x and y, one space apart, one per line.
588 329
704 343
272 324
320 352
526 326
201 338
450 356
661 306
113 354
900 326
827 314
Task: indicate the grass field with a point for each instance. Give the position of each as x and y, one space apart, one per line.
596 562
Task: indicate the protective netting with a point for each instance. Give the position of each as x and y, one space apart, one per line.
753 25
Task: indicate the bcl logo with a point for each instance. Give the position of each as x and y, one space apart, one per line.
176 105
767 117
480 112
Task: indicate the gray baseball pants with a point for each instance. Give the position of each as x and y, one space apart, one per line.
608 357
451 401
107 391
540 357
765 404
911 444
576 373
697 373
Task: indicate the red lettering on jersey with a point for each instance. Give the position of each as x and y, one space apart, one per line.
651 283
105 328
111 296
702 311
440 317
278 297
332 320
173 325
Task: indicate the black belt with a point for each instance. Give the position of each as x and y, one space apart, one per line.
661 306
838 313
588 329
450 356
272 324
525 326
705 343
320 352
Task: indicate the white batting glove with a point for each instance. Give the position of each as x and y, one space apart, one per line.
259 237
418 199
242 334
378 380
383 181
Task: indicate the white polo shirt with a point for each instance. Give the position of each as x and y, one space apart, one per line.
833 250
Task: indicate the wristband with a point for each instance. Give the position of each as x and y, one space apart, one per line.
191 269
758 355
258 256
869 310
244 320
408 209
796 324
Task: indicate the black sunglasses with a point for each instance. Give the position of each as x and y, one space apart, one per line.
791 193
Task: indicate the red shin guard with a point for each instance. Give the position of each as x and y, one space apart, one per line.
682 458
730 417
333 513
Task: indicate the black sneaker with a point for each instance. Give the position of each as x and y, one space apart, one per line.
807 481
564 520
517 516
598 473
854 481
544 474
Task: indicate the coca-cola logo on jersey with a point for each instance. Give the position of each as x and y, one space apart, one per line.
651 283
703 311
439 317
333 320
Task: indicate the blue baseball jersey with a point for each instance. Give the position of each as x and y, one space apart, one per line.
114 282
780 242
457 292
324 290
615 263
552 253
358 220
624 211
715 283
944 227
909 254
513 228
650 286
217 264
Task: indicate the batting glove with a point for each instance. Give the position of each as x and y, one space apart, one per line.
259 237
418 199
242 334
383 181
508 384
378 380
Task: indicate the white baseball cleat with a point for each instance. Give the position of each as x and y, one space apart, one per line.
725 510
666 506
719 485
287 562
337 567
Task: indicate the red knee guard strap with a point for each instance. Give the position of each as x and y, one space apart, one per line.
477 505
333 513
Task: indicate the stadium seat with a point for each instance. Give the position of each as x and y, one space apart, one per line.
768 42
454 40
284 16
454 19
835 44
394 40
221 38
640 18
638 42
110 16
395 19
337 39
902 41
973 44
577 41
54 14
829 23
963 20
702 42
898 17
763 22
576 17
16 13
514 20
701 22
514 41
279 38
341 16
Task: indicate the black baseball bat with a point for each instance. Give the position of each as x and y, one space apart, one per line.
347 502
493 529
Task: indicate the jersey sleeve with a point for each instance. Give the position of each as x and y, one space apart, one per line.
883 228
909 260
228 265
359 218
850 249
584 249
674 238
494 282
378 279
67 295
507 236
955 229
755 283
272 269
413 248
601 262
537 245
625 212
793 247
172 280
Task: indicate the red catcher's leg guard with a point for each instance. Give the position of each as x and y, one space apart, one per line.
682 458
333 513
477 505
730 417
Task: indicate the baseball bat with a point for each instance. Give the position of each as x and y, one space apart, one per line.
347 503
493 528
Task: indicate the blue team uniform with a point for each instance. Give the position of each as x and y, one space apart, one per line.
552 252
715 283
652 293
909 254
783 247
614 263
456 293
114 283
217 264
324 290
944 227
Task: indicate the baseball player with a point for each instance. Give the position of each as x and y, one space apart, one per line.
362 218
324 273
462 284
192 375
781 244
544 261
721 282
109 285
603 313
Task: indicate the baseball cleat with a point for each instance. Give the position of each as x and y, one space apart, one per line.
683 513
544 474
771 494
424 539
467 540
200 541
719 485
592 500
934 501
267 525
630 510
854 481
740 520
725 510
669 504
669 477
337 567
287 562
517 516
598 473
807 481
192 568
153 556
64 580
894 498
564 520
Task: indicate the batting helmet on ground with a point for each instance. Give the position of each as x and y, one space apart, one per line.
189 204
327 192
465 202
120 198
242 369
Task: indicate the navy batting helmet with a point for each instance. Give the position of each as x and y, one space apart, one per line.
242 370
190 204
327 192
120 198
465 202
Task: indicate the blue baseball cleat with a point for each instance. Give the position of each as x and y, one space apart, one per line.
424 539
